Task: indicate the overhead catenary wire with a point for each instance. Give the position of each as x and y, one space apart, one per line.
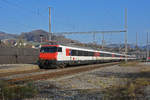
89 32
38 13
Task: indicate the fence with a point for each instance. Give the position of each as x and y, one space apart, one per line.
18 55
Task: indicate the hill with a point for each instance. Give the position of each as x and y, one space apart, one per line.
4 35
37 36
41 35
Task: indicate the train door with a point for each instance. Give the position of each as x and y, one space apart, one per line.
102 56
60 53
68 54
97 54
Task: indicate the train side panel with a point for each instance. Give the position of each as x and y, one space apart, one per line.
65 55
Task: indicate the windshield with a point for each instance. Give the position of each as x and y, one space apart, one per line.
48 49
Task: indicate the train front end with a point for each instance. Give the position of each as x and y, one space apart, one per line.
48 56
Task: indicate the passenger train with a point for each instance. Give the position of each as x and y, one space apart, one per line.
54 56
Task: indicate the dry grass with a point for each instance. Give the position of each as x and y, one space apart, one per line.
147 69
129 64
17 92
131 90
18 69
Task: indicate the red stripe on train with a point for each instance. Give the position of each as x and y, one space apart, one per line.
67 52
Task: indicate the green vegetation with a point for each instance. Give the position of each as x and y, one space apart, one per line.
129 90
131 64
8 92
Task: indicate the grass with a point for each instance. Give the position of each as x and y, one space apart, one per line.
130 90
146 69
129 64
8 92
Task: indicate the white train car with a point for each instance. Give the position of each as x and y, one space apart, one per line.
60 55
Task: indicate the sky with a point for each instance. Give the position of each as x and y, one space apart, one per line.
18 16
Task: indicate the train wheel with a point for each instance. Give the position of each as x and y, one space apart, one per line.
41 66
62 65
58 66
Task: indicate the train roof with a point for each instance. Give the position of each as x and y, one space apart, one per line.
84 48
89 49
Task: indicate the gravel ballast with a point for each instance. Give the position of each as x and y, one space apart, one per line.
88 85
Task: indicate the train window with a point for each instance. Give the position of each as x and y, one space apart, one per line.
73 52
48 49
79 53
86 53
107 55
83 53
104 54
59 49
117 55
43 49
90 53
101 54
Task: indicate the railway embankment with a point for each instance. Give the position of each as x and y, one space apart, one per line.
124 81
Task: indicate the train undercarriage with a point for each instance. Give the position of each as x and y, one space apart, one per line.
62 64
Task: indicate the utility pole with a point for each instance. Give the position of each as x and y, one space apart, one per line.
119 46
102 40
50 32
147 47
41 38
126 28
136 41
94 38
136 47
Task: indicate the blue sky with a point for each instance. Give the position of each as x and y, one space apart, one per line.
18 16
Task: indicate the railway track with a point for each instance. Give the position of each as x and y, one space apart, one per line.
51 74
